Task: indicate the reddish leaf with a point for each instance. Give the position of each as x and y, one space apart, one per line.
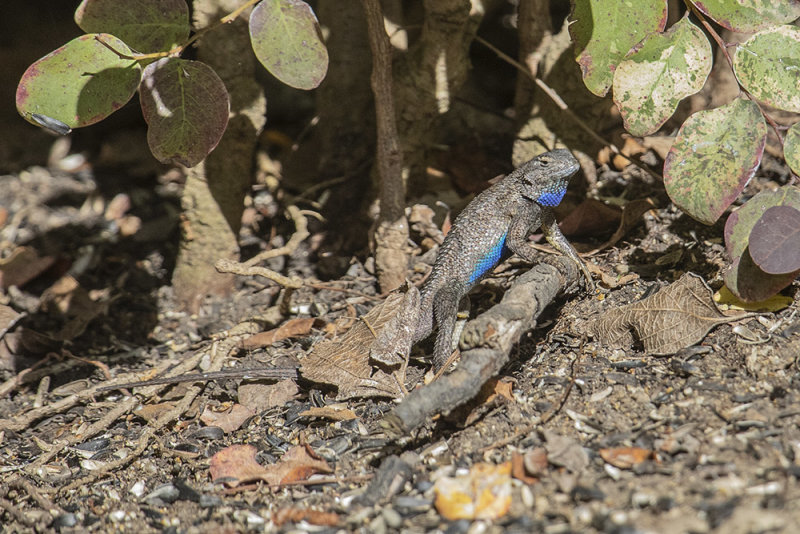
775 240
185 105
237 464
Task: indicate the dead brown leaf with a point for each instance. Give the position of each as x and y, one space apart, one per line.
518 469
291 328
631 213
626 457
295 515
22 266
676 317
229 420
237 464
333 413
151 412
258 396
591 217
345 362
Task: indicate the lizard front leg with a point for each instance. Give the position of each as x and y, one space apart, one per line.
554 236
542 216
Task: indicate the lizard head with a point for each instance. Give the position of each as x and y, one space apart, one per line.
544 179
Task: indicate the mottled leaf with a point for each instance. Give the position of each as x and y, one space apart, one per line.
775 240
744 278
768 66
660 71
791 148
185 105
676 317
713 158
286 39
747 16
601 41
79 84
144 25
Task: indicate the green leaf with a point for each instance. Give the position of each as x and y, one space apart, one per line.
601 41
713 158
660 71
744 278
79 84
286 39
748 16
791 147
775 240
186 108
144 25
768 66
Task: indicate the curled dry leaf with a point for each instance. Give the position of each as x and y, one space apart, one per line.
295 515
483 493
345 362
333 413
676 317
237 464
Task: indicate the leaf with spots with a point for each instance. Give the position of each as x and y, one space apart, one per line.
79 84
601 41
791 148
713 158
768 66
748 16
658 73
286 40
185 105
144 25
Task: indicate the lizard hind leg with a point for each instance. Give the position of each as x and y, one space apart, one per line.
445 311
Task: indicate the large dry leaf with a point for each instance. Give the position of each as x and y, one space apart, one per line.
676 317
345 363
260 397
237 464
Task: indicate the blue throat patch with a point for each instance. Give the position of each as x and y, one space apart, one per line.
551 198
489 260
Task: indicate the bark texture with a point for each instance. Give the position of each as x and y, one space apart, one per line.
213 198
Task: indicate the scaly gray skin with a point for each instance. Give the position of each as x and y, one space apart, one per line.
495 224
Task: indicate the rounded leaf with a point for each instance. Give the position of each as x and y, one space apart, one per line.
286 39
713 158
660 71
186 108
144 25
748 16
79 84
601 41
744 278
768 66
775 240
791 147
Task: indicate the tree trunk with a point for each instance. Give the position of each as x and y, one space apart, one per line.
215 189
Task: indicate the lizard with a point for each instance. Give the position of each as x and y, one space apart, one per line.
495 224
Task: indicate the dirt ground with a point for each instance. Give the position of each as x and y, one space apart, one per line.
609 440
578 434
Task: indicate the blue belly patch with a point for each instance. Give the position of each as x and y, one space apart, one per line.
489 260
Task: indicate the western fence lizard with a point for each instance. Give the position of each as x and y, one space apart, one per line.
495 224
